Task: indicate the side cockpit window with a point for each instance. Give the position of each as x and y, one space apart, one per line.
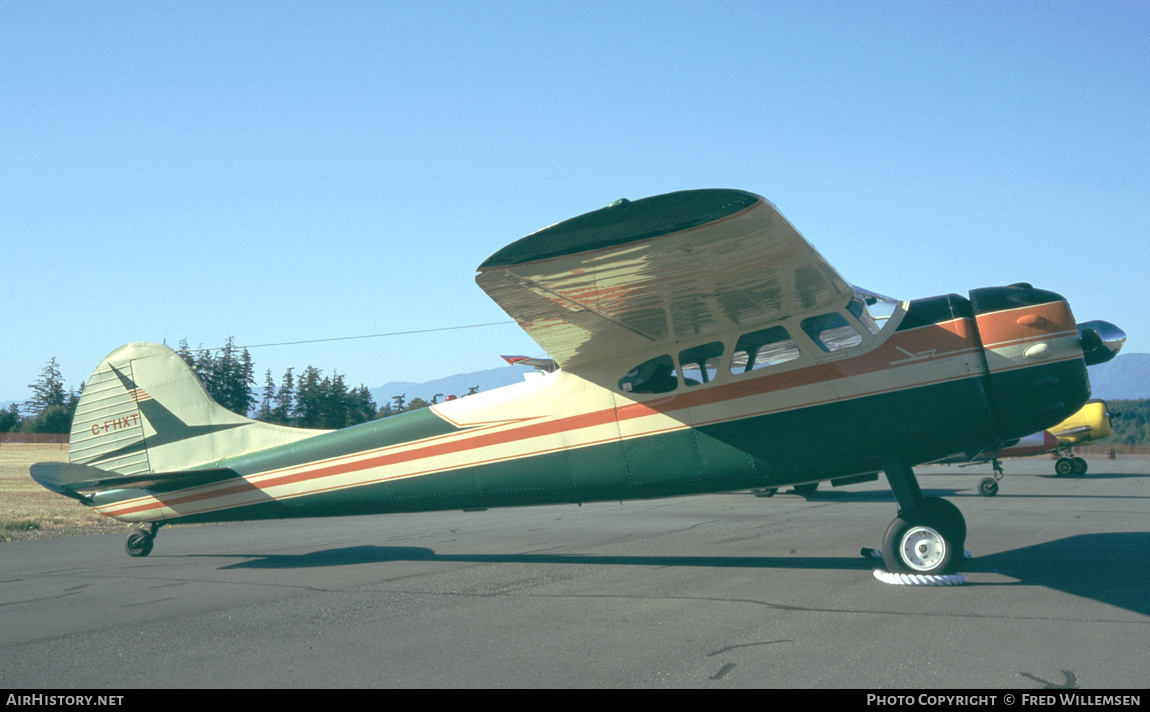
760 349
831 332
857 307
654 376
872 310
701 363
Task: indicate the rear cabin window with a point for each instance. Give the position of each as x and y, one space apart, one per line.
831 332
760 349
701 363
654 376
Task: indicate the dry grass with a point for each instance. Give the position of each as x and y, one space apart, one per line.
28 511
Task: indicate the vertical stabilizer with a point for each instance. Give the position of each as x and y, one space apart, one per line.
143 411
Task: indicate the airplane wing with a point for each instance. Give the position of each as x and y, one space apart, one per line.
677 266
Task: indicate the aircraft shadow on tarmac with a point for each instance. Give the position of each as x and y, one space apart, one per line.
1110 568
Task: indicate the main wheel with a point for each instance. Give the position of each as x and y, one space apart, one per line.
1079 467
139 543
1064 466
949 518
917 542
764 491
987 487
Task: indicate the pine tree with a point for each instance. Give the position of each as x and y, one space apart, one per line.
186 354
232 377
285 400
265 412
335 412
47 391
51 407
361 406
10 419
309 399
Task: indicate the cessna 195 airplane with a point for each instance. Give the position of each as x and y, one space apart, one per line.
702 345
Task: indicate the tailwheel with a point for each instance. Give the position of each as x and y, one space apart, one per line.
926 541
988 487
140 541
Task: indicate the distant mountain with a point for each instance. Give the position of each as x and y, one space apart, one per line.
456 385
1127 377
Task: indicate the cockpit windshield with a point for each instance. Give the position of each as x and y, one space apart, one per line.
872 310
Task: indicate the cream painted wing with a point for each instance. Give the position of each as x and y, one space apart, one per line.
634 276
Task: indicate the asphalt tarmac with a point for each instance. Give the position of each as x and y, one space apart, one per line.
716 591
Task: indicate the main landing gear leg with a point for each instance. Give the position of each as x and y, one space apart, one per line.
929 533
140 541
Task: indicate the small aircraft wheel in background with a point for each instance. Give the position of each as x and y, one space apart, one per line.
807 488
914 545
1079 467
764 491
139 543
1064 466
987 487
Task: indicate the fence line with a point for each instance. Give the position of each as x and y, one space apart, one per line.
60 439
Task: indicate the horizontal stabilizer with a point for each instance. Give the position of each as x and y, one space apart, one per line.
71 480
544 365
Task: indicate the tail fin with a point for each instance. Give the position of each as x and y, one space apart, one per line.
144 411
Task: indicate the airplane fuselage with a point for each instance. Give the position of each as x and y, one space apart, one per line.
1005 363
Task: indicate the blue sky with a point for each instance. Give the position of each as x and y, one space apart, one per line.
287 171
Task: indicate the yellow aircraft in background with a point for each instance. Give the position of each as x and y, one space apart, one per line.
1084 427
1090 423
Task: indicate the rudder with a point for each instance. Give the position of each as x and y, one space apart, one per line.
144 410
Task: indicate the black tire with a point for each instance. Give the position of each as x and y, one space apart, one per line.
949 518
139 543
808 488
917 542
988 487
1064 466
764 491
1079 467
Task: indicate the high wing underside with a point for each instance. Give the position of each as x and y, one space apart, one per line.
672 267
